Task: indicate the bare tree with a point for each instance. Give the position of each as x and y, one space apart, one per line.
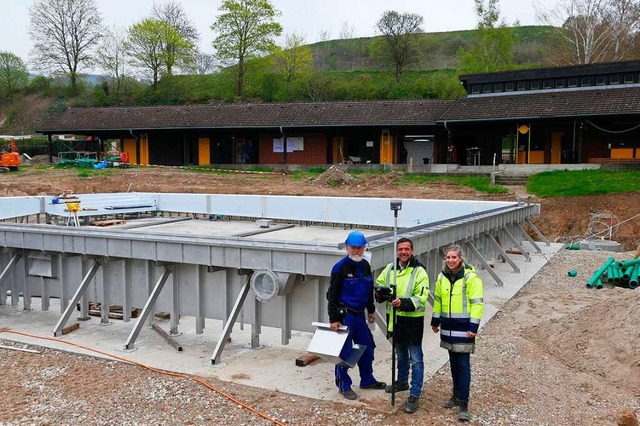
347 30
399 31
595 30
111 56
173 14
324 35
65 34
204 63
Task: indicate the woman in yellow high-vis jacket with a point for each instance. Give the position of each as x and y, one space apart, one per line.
457 311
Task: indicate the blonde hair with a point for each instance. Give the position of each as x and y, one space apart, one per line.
456 248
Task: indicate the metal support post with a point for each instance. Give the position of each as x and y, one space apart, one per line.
126 290
226 332
484 263
537 231
3 276
502 252
26 294
174 320
256 325
148 308
528 238
517 244
200 279
104 308
286 319
57 331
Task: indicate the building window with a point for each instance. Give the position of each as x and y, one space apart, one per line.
629 78
497 87
509 87
522 85
546 84
475 89
560 83
573 82
614 79
535 85
486 88
600 80
586 81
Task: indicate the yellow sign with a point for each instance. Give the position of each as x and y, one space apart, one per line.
523 129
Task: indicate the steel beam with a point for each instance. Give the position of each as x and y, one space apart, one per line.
200 272
528 238
537 231
80 291
484 263
504 254
518 245
26 292
148 308
104 308
15 257
226 332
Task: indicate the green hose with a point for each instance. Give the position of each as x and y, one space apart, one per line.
626 263
633 277
598 274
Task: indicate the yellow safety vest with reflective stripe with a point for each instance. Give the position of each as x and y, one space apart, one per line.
411 283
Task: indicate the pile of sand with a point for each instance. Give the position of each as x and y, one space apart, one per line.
602 338
334 176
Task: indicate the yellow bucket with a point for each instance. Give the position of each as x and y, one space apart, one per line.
73 207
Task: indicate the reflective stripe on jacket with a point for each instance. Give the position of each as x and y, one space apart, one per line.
412 288
457 309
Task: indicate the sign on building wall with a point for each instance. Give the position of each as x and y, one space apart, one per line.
293 144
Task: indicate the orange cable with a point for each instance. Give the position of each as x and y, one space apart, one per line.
155 370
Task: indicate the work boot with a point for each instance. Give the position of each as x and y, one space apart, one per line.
412 405
349 394
464 415
399 387
454 401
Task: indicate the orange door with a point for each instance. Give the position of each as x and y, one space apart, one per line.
386 148
556 148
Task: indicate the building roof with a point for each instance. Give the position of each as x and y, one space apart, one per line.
547 104
267 115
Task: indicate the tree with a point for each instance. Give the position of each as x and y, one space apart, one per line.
295 58
203 63
595 30
146 45
173 14
347 30
111 56
245 29
65 34
399 48
13 74
492 48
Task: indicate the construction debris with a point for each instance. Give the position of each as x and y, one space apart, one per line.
624 274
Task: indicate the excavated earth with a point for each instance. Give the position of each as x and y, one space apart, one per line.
556 354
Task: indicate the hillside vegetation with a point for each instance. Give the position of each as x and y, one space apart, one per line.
343 70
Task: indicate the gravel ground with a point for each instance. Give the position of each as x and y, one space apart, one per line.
557 354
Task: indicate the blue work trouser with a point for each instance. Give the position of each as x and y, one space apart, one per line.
410 355
461 374
358 333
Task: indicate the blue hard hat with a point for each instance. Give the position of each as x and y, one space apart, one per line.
356 239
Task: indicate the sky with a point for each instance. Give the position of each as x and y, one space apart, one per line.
304 17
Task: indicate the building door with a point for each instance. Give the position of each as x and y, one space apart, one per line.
556 147
386 147
337 150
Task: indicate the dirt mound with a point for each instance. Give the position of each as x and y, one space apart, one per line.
601 338
334 176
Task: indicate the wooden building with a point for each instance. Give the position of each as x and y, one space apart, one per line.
561 115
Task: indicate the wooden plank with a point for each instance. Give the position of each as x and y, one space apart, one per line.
108 222
68 329
306 359
12 348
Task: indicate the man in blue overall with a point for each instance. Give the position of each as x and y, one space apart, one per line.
350 295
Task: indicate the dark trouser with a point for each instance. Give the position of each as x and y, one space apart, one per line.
461 374
358 333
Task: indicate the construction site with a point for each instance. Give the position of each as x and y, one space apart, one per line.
153 296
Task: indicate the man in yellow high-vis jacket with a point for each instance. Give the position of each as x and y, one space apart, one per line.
412 291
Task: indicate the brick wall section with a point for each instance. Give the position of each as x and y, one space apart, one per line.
315 149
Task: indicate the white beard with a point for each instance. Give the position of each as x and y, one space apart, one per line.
356 258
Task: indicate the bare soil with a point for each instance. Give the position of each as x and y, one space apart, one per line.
556 354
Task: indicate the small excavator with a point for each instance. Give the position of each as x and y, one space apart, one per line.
9 161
